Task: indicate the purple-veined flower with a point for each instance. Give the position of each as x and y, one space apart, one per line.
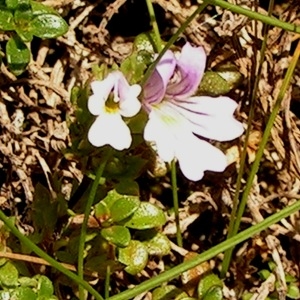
112 99
177 118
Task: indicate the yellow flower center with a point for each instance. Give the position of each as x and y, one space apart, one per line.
112 103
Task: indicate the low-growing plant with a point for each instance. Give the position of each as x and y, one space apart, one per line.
22 20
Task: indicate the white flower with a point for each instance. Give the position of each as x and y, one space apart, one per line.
112 98
176 119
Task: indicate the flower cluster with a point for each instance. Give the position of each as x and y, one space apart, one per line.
177 119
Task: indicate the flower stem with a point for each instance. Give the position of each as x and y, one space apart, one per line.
255 15
262 146
175 203
158 43
54 263
257 76
212 252
107 282
85 221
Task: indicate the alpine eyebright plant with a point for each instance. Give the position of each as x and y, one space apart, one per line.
177 118
112 99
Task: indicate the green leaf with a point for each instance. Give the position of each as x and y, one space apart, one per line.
11 4
111 198
41 9
23 293
247 296
293 291
135 257
210 288
125 168
212 84
146 216
6 19
46 298
115 166
272 265
168 292
25 35
44 286
27 281
22 17
102 213
231 74
101 263
44 220
145 41
4 295
290 278
138 122
128 187
221 81
133 66
124 207
118 235
9 275
48 26
18 55
159 245
214 293
264 274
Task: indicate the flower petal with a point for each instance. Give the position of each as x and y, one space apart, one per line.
101 90
190 65
155 86
154 90
166 67
131 106
129 103
211 117
196 156
96 105
158 131
110 129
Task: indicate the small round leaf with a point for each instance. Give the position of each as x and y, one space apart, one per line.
168 292
41 9
11 4
293 291
9 275
18 55
135 257
118 235
48 26
146 216
6 19
213 84
45 286
23 293
158 245
124 207
111 197
210 288
102 212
